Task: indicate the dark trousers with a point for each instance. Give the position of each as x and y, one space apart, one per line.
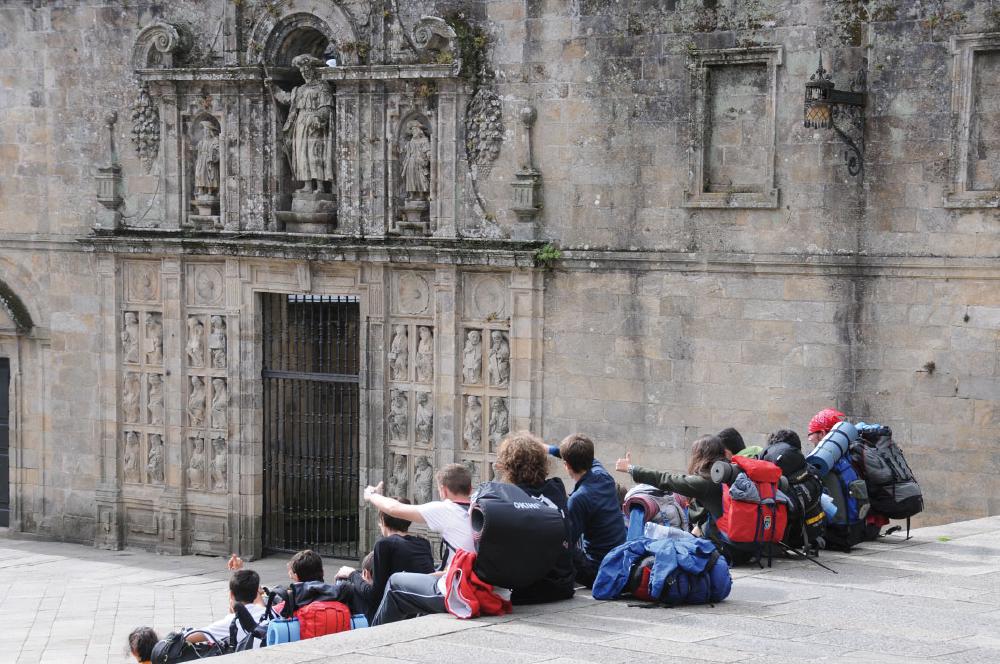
586 569
408 595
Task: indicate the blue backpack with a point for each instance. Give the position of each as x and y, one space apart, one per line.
673 571
850 496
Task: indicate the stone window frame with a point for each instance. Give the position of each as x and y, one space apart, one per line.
963 50
699 62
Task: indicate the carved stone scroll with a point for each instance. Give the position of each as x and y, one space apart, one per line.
472 432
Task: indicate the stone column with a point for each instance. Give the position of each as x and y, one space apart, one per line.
374 294
447 350
527 325
109 532
170 504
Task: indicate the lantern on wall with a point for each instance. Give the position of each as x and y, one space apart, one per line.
824 103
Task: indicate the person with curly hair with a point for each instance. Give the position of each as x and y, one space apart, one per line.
522 460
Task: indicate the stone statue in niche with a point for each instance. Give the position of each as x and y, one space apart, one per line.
220 401
416 172
217 342
472 358
154 339
206 170
424 420
425 355
473 470
154 398
473 431
309 144
220 464
154 460
499 421
196 467
398 481
132 457
130 397
130 338
397 415
423 481
399 353
195 345
499 358
196 402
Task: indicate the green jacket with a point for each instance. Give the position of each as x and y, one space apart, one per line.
705 494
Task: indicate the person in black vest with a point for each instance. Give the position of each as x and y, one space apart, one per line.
397 551
522 461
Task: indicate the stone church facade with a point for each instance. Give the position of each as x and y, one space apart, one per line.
256 255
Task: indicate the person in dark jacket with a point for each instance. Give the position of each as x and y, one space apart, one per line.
696 484
733 441
595 515
521 460
397 551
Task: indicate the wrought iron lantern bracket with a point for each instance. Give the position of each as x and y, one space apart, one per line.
841 110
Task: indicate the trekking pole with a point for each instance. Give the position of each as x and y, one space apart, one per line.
803 556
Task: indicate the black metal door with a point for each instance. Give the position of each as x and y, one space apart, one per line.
310 376
4 442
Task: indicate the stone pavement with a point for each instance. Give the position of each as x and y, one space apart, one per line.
932 598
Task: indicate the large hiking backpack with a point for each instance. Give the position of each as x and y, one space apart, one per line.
806 519
893 491
659 506
846 528
309 609
174 648
518 537
754 512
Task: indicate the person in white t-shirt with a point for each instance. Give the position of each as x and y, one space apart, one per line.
408 595
244 587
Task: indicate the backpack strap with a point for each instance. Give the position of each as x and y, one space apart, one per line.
446 549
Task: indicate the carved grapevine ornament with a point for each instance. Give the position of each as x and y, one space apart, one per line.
145 127
484 127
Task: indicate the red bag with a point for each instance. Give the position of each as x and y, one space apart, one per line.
761 522
319 618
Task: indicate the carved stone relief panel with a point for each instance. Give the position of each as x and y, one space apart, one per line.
196 463
130 397
473 467
217 344
472 427
499 359
153 339
472 357
195 346
499 421
142 282
398 416
424 419
205 285
398 483
196 402
220 465
154 399
486 297
425 354
399 353
411 294
133 454
154 459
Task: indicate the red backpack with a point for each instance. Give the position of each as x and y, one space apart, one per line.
319 618
748 522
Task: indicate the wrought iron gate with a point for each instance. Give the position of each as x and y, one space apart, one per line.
310 376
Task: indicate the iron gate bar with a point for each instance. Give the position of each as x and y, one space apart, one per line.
313 377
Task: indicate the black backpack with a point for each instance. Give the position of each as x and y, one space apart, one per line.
806 520
893 491
518 537
174 648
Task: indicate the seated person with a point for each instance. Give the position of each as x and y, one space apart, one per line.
244 588
397 551
595 513
306 565
141 642
521 460
697 485
735 446
408 594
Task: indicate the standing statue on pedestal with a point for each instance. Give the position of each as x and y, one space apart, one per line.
206 170
309 144
196 467
416 172
130 338
220 464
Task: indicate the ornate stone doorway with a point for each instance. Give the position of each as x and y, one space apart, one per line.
311 381
4 442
